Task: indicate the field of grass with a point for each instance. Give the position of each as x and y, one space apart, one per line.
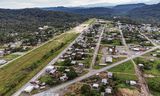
153 70
10 57
126 67
154 84
120 80
17 73
91 21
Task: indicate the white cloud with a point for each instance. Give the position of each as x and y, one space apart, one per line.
51 3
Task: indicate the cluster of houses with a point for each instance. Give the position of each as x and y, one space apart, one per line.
105 79
75 55
111 37
138 48
102 79
80 50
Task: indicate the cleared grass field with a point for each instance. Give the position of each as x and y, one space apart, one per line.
126 67
154 84
153 70
15 75
91 21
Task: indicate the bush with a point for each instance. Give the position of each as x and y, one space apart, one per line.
49 80
72 74
158 67
85 89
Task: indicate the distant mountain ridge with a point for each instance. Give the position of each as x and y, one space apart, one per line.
119 9
148 12
127 7
83 11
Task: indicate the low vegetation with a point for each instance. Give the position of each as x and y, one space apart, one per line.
126 67
17 73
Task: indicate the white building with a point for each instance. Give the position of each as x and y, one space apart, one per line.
49 68
2 62
1 53
29 89
108 90
109 59
64 77
104 81
110 74
95 85
133 83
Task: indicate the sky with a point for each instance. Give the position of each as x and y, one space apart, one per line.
17 4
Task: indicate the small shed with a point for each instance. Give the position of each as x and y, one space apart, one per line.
2 61
49 68
95 85
110 74
108 90
104 81
109 59
29 89
133 83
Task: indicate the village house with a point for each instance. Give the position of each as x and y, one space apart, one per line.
108 90
49 69
110 74
104 81
29 89
109 59
2 53
95 85
2 61
64 77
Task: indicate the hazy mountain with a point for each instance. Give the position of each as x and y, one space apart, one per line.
108 5
148 12
83 11
127 7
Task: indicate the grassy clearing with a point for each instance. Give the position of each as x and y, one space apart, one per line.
154 84
11 57
126 67
91 21
14 75
150 66
120 80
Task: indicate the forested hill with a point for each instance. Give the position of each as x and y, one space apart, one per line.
96 11
127 7
28 20
149 13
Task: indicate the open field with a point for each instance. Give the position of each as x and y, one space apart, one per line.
153 84
126 67
150 66
91 21
10 57
17 73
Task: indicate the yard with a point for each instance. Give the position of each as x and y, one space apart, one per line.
17 73
154 84
126 67
150 67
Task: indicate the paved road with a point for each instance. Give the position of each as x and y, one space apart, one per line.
43 70
97 48
91 73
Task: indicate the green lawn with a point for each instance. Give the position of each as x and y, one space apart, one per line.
91 21
120 80
17 73
126 67
154 84
11 57
153 70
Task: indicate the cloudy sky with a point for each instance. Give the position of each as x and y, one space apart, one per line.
52 3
